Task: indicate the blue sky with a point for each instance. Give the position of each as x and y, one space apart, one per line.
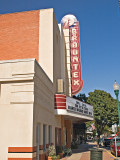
99 36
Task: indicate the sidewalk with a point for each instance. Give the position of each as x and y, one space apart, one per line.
83 153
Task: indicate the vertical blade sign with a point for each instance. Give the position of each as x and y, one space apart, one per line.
77 82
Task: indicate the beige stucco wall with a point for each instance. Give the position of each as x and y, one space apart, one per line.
52 49
63 53
44 105
26 99
68 61
46 41
52 59
27 89
56 53
16 104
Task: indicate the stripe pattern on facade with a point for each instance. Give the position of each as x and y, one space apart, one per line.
60 101
22 158
21 149
24 153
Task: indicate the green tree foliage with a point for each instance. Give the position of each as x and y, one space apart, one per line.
81 97
105 109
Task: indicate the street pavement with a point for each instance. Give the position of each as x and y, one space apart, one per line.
83 152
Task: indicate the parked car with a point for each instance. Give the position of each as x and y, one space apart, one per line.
113 147
106 141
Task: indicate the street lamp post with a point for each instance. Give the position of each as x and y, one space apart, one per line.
116 90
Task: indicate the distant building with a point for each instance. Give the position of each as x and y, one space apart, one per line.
36 108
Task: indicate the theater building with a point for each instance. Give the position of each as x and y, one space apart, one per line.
40 71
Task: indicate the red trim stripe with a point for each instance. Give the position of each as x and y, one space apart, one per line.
60 95
60 104
21 158
21 149
60 99
60 107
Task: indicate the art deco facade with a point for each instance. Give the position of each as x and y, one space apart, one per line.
36 109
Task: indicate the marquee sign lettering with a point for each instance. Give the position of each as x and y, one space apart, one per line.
77 106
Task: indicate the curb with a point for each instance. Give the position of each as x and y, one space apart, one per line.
109 153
